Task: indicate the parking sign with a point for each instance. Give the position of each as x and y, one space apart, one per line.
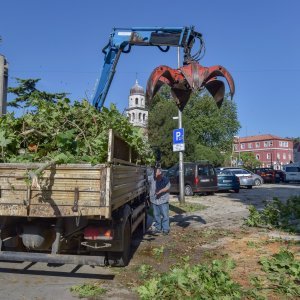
178 139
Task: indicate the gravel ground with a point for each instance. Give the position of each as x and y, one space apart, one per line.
40 281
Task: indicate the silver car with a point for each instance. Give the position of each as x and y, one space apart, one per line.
258 180
246 178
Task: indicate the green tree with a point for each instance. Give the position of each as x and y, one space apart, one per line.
161 125
209 131
249 160
27 92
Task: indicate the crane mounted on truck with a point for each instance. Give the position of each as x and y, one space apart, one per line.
193 75
86 214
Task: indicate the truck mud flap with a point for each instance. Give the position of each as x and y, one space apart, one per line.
53 258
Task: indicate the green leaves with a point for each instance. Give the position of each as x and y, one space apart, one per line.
193 282
283 272
283 215
3 140
208 130
53 128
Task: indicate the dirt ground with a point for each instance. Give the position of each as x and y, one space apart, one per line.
214 232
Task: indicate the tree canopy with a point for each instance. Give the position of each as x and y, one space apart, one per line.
209 131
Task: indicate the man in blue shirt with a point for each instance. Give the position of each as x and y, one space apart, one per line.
159 198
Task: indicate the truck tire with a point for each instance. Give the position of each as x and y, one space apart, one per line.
121 259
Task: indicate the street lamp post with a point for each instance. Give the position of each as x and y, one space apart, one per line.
236 137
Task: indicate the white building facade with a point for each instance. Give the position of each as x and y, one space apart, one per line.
137 112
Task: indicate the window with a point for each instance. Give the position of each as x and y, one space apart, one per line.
144 117
235 147
292 169
188 170
268 155
203 171
278 155
242 146
271 143
257 156
136 101
266 143
257 144
283 144
133 116
250 145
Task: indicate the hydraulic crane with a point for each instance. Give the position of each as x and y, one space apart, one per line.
182 81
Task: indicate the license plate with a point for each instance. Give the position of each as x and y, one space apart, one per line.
227 180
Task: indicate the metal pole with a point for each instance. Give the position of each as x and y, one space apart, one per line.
181 167
239 151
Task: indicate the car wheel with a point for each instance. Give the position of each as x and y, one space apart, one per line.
188 191
249 187
237 190
257 182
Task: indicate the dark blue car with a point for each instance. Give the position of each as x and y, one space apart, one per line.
227 181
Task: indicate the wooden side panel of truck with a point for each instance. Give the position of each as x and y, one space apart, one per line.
73 202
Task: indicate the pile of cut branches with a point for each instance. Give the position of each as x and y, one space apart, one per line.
64 133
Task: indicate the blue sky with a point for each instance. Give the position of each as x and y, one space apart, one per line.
257 41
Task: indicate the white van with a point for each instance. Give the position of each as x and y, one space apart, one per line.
292 172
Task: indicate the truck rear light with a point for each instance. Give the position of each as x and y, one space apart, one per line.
196 180
96 233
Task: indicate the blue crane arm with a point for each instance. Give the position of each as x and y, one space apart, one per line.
121 40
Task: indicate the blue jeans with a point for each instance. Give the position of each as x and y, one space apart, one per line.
161 217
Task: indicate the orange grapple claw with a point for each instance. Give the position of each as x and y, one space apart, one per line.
189 78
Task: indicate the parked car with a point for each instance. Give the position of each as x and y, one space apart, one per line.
246 178
228 181
199 177
268 174
258 180
292 172
281 175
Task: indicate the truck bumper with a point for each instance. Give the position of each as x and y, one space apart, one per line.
53 258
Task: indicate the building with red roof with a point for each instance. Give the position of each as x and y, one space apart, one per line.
270 150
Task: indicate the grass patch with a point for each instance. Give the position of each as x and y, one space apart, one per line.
88 290
188 207
158 252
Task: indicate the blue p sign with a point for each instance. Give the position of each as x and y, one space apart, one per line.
178 136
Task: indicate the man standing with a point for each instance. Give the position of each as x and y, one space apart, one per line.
160 203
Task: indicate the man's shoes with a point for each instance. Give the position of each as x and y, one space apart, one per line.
153 230
165 232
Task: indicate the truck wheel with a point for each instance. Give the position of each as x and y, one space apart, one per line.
121 259
188 191
237 190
